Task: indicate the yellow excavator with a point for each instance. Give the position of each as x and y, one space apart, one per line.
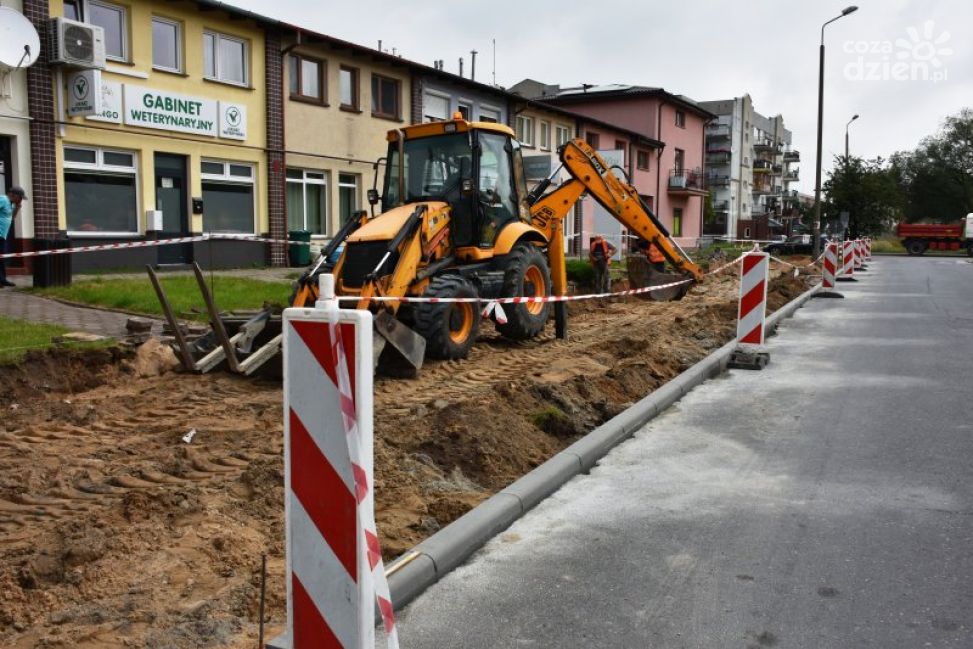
457 221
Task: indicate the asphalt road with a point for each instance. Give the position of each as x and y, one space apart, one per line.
826 501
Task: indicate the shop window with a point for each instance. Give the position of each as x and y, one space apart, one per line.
307 201
642 160
348 81
100 192
435 107
228 197
385 97
166 44
525 130
562 135
544 135
307 78
225 58
112 19
677 221
348 195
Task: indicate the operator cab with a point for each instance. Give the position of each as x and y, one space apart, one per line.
476 168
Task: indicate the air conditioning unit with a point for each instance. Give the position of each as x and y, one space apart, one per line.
76 44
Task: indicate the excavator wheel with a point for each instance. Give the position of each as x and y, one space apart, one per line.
526 274
450 328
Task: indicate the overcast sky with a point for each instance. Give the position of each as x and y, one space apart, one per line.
704 49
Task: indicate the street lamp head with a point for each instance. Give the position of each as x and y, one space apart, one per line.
849 10
854 117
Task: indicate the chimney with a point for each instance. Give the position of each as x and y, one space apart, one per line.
380 45
473 65
461 66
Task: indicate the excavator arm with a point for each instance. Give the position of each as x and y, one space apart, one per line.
590 173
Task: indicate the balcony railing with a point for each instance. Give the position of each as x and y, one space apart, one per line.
718 158
718 131
686 181
767 146
717 180
792 156
777 169
762 166
721 206
792 176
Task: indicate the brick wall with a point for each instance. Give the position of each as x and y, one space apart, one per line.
416 100
40 97
276 194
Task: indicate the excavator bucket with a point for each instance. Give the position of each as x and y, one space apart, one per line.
398 349
641 274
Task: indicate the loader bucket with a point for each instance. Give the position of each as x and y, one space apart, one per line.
641 274
396 349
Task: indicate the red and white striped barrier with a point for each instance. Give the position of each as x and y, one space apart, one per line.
830 266
753 298
848 261
868 248
859 254
335 574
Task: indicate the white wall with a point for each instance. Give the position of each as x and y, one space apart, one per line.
14 124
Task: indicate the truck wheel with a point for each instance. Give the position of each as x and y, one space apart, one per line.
526 274
969 250
450 328
915 247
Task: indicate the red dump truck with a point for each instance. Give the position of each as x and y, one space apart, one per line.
920 237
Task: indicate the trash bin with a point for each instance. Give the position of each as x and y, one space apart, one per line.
52 270
299 254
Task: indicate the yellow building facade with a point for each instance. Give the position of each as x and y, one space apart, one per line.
177 145
340 102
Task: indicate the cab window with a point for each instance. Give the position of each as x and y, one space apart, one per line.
497 196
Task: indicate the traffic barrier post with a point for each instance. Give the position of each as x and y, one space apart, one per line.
335 575
829 271
847 273
752 312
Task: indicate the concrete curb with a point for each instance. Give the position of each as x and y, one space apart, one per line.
448 548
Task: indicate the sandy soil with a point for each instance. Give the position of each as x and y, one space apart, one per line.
114 532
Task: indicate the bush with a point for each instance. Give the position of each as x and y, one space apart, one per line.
580 272
887 244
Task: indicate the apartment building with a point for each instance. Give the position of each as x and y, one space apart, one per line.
15 153
166 136
751 170
675 121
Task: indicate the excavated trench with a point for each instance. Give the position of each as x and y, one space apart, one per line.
114 532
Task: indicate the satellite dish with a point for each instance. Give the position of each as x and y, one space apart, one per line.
19 43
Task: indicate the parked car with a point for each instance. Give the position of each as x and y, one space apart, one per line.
798 244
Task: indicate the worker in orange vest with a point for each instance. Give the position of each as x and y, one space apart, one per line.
600 253
653 254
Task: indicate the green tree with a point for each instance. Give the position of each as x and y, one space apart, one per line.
937 178
867 190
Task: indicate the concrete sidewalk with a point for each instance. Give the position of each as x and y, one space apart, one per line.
823 502
31 308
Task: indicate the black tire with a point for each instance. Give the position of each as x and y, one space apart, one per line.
524 321
915 247
450 328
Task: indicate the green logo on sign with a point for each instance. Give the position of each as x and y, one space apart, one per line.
233 116
80 88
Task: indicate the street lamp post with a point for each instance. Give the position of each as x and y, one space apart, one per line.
854 117
817 176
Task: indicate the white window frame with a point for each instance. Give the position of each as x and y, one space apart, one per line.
437 95
493 109
124 58
304 181
558 129
179 45
217 36
525 133
462 102
99 167
356 186
225 177
544 135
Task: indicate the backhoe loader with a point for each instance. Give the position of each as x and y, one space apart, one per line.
456 221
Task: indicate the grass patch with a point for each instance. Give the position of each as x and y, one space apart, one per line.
580 272
553 421
137 295
18 337
887 245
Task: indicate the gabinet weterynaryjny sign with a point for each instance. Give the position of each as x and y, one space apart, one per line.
169 111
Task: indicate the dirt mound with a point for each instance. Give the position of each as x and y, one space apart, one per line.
116 532
152 358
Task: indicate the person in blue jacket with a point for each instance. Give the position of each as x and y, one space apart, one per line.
9 208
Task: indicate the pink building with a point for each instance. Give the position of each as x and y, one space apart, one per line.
675 175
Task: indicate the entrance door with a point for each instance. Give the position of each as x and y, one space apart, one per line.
172 198
7 181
